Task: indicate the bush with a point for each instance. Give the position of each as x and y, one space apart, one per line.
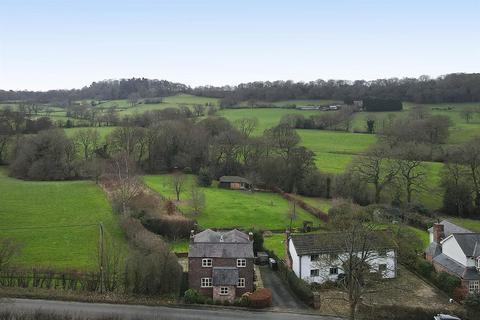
472 304
262 298
204 178
193 296
424 268
447 282
172 227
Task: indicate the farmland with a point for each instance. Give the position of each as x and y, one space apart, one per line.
56 223
229 208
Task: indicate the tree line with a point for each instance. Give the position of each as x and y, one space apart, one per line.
455 87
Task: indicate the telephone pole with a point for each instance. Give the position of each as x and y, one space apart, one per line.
101 257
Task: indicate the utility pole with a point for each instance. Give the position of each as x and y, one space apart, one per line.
101 257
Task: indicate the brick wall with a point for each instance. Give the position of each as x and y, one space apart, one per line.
196 272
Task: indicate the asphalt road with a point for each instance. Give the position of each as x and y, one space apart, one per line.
93 310
282 297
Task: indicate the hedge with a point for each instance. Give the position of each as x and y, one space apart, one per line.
261 298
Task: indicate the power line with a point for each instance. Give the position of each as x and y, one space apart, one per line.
50 227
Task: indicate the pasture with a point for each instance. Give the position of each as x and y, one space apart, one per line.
56 223
226 209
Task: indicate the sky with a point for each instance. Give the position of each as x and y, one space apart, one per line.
53 44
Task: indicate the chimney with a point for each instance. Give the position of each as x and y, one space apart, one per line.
250 236
192 235
438 232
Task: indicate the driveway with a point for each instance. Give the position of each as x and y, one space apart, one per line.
282 296
119 311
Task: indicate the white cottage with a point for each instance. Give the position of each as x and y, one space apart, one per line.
313 258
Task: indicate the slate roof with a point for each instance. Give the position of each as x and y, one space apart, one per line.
456 268
213 244
449 228
233 179
225 276
469 243
433 249
319 243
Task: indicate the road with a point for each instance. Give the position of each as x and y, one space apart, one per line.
282 297
98 310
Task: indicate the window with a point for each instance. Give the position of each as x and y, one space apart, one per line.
314 273
473 286
223 291
241 263
382 268
334 270
206 283
206 263
314 257
241 283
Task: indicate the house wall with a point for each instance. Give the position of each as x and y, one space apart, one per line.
325 263
451 249
430 237
230 296
196 272
295 258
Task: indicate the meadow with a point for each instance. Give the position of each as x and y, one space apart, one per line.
228 209
56 223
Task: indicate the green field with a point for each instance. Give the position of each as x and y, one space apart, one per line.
275 243
235 209
56 223
102 131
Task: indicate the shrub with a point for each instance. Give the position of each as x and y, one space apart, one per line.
447 282
424 268
472 304
204 178
172 227
193 296
262 298
299 287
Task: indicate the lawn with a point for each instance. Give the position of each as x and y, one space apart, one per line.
275 243
102 131
228 209
56 223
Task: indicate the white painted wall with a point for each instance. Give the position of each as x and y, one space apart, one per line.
451 249
303 265
430 236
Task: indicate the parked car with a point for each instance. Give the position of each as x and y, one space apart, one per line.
273 264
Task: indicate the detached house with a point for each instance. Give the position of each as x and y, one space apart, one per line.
220 264
455 250
319 257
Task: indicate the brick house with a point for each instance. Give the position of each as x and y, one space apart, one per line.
220 264
455 250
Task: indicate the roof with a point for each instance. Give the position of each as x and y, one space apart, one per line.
433 249
469 243
213 244
318 243
456 268
232 236
225 276
233 179
449 228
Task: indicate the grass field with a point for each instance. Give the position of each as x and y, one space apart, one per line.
102 131
57 223
228 208
472 225
275 243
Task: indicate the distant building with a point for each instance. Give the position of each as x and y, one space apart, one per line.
220 264
334 107
313 258
234 182
455 250
358 103
308 107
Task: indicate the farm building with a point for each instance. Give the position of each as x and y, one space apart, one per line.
308 107
234 182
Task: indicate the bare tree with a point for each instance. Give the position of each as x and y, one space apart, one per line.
354 250
126 184
376 168
9 248
411 170
467 114
246 126
133 99
178 180
199 110
197 201
87 140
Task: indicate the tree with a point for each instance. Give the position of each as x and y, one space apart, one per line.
357 243
203 178
467 114
133 99
282 138
370 125
197 201
411 171
376 168
87 140
178 180
199 110
122 173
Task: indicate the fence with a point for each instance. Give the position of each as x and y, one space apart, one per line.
302 204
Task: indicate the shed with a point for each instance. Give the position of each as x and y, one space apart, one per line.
234 182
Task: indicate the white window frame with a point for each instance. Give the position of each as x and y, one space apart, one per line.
333 273
317 271
224 291
206 283
207 263
241 263
241 283
473 286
